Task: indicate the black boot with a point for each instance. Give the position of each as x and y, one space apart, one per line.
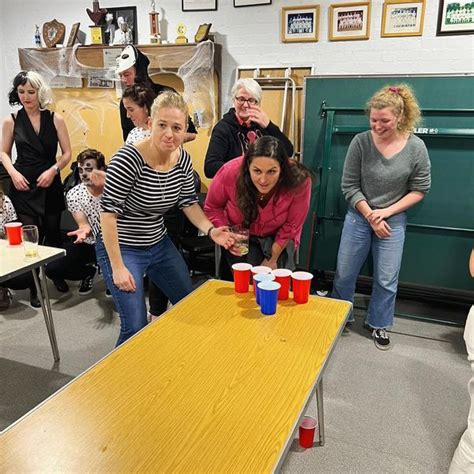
34 300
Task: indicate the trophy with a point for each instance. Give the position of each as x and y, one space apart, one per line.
181 30
96 15
154 25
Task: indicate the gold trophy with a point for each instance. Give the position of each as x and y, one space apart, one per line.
181 30
154 25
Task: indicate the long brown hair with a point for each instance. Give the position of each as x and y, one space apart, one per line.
292 175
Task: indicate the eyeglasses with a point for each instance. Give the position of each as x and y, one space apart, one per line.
242 100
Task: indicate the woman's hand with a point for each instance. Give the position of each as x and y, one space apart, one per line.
222 236
270 263
81 234
123 279
19 181
382 229
378 215
46 178
97 178
258 116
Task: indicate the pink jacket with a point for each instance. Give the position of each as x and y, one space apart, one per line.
283 216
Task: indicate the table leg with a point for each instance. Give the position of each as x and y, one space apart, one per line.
42 289
320 408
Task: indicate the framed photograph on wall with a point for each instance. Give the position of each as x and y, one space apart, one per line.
198 5
349 21
455 17
251 3
125 22
300 24
402 18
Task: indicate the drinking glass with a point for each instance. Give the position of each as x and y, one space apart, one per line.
241 235
30 236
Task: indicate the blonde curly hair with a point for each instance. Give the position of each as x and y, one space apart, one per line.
401 99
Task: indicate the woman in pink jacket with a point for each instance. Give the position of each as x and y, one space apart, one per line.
269 194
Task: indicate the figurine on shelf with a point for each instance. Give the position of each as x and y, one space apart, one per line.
97 14
37 37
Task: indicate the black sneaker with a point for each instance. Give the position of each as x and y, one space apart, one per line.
108 294
381 339
87 285
61 286
34 300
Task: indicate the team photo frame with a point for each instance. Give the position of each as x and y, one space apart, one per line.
300 24
455 17
402 18
349 21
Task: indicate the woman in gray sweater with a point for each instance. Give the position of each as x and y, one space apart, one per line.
387 171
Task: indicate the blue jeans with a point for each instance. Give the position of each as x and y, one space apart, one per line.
357 240
164 266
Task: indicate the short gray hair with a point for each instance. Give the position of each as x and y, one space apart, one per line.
250 85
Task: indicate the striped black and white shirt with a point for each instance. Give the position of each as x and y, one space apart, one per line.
140 195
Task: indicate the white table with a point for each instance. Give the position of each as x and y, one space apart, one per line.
13 263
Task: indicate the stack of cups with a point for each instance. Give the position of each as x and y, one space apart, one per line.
241 273
301 286
259 278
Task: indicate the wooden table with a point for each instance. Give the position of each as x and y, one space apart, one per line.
13 262
211 386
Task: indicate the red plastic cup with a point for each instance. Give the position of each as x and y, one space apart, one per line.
241 277
301 286
307 430
13 233
259 269
283 276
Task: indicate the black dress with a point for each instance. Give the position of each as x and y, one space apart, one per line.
35 154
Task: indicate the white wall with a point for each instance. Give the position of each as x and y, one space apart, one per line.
250 37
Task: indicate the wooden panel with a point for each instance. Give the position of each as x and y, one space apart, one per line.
211 386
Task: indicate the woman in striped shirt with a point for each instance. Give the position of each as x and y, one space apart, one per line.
143 182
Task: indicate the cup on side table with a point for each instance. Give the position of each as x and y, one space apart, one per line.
30 236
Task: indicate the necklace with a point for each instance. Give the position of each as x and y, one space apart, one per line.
260 196
163 188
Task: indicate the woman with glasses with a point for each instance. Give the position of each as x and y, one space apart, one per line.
240 127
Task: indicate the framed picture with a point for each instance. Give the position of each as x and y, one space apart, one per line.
202 33
125 25
198 5
402 18
300 24
251 3
73 34
455 17
349 21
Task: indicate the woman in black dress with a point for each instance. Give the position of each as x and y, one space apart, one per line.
36 190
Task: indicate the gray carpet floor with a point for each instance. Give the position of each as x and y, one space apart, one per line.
402 410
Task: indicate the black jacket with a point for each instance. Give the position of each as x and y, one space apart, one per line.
229 140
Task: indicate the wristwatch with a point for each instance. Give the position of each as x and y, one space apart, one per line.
57 169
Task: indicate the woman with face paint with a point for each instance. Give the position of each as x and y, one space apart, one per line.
387 171
83 201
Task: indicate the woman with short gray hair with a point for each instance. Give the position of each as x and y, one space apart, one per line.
240 127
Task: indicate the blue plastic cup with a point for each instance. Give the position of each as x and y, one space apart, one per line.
268 291
258 278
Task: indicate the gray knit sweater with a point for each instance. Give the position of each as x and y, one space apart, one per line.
369 176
